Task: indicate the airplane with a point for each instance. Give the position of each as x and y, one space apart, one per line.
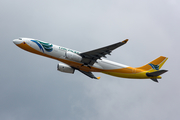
92 61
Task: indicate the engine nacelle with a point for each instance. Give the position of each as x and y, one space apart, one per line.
73 56
65 68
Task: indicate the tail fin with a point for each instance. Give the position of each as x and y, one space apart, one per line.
154 65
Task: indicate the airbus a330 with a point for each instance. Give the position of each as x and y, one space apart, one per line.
92 61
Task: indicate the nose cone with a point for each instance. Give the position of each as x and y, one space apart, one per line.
17 41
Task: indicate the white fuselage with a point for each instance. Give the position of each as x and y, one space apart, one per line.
74 60
60 52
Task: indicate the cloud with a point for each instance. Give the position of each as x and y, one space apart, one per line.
32 88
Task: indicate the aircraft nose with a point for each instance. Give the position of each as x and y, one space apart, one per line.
16 41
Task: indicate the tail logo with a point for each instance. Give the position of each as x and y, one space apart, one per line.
155 67
41 45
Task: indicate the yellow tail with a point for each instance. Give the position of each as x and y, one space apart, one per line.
154 65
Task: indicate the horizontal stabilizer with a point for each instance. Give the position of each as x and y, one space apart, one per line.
156 73
154 79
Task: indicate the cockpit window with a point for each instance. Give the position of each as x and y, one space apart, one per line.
20 38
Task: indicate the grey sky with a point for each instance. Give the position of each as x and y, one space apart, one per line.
32 88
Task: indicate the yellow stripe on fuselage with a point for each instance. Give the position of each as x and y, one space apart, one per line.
128 72
26 47
71 63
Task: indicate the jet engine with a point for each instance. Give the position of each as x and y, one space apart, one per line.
65 68
73 56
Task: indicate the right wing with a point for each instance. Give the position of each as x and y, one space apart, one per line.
90 57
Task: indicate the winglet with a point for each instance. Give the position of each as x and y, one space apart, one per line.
125 41
98 78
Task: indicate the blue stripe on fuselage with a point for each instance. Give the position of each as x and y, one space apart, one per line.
40 47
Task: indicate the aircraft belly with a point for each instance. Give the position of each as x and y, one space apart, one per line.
58 55
97 67
141 75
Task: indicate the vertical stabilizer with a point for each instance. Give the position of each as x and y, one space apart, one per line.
154 65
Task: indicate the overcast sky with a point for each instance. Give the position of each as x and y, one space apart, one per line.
32 89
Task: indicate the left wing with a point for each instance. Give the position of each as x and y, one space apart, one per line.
90 57
89 74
